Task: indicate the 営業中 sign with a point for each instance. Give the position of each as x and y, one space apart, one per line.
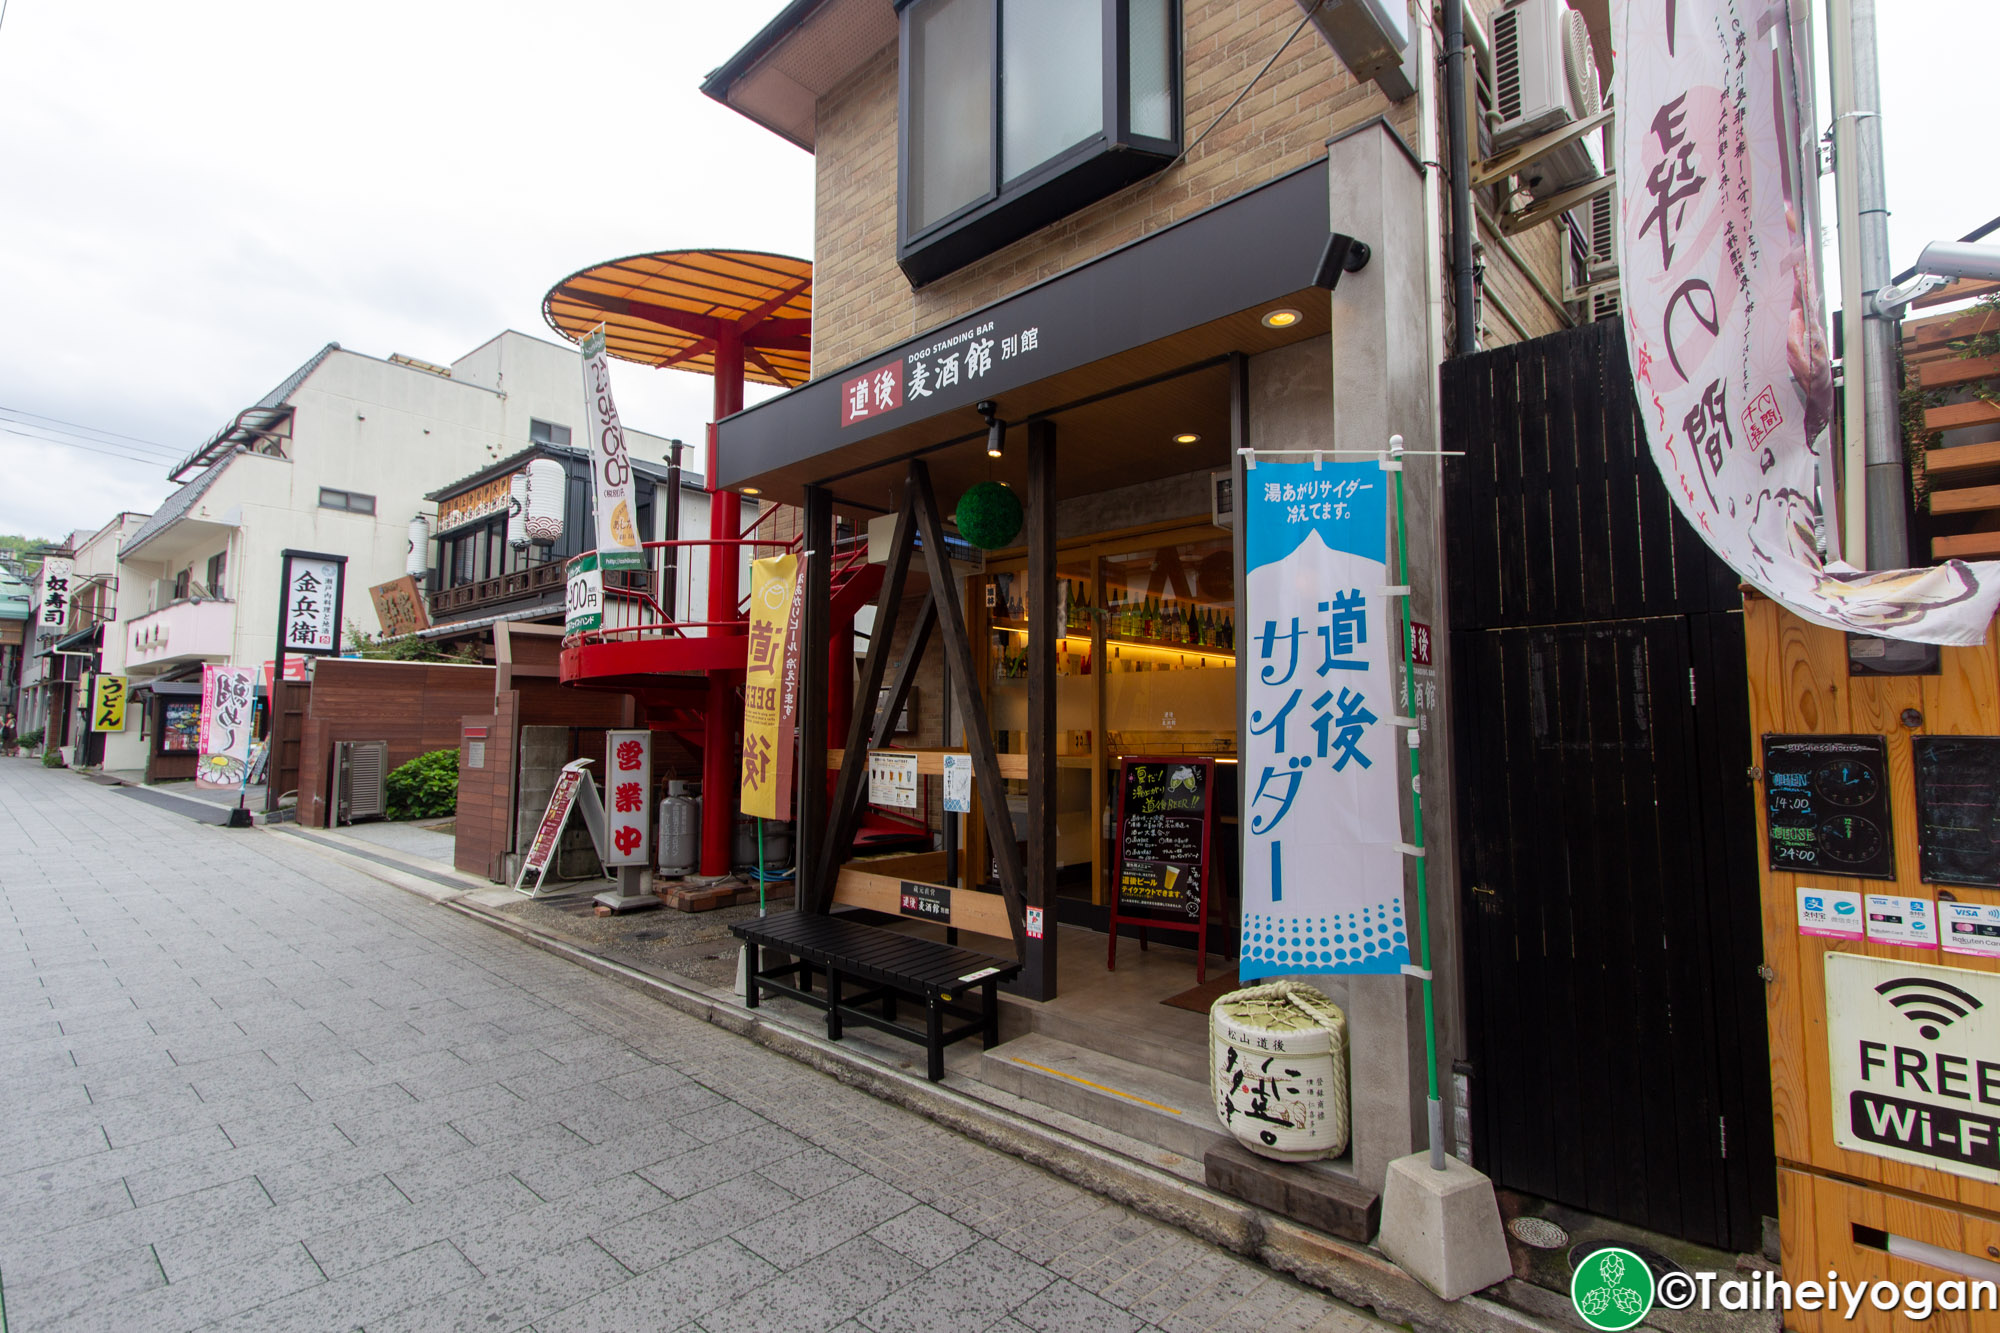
1321 820
628 782
1915 1062
309 616
610 465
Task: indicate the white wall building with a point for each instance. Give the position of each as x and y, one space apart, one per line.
337 459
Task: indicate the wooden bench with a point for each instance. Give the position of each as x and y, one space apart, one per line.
940 977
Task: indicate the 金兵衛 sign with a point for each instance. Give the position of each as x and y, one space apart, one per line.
1321 820
1915 1062
309 618
1724 319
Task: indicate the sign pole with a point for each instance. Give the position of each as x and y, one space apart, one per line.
1393 463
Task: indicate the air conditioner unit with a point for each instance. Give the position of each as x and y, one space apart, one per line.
1545 78
1593 282
360 787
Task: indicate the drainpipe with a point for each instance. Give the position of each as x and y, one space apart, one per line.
1464 323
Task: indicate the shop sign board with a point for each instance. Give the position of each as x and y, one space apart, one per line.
585 601
57 575
628 787
1915 1062
892 780
309 616
1958 809
957 359
926 902
107 703
1163 839
399 607
610 464
572 786
1322 869
1826 805
1724 316
480 503
225 725
771 687
180 726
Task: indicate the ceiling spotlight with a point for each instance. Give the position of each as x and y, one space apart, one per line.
996 429
1187 437
753 490
1282 319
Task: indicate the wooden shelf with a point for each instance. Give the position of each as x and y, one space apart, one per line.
1966 465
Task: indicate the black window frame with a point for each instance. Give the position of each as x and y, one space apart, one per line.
344 502
1073 179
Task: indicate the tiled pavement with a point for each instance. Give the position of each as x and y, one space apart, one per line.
244 1087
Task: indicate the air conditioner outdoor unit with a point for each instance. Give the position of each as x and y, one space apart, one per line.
1545 78
360 772
1595 286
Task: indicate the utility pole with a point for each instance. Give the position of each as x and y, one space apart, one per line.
1876 482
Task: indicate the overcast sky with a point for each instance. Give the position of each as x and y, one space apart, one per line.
195 197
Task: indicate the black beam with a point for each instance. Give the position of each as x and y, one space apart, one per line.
814 630
1038 974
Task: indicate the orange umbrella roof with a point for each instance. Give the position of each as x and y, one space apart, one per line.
668 309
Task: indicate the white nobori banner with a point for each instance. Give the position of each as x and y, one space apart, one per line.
1725 319
1322 823
618 542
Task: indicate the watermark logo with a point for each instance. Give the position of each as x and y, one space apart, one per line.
1612 1289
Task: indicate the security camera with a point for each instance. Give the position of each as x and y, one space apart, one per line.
1940 262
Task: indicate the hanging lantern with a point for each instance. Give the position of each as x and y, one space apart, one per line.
517 510
417 562
989 516
548 490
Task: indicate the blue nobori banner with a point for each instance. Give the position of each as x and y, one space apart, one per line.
1321 821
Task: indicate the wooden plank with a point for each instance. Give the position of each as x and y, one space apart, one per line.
981 913
925 866
1965 500
1963 464
1545 548
1586 923
1953 416
1966 546
1941 329
1959 289
1952 370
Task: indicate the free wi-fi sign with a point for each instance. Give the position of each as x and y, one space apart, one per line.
1915 1060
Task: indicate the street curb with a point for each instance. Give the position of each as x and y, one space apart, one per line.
1358 1275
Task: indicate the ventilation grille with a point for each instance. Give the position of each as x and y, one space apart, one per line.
1507 62
1580 67
363 792
1604 305
1603 218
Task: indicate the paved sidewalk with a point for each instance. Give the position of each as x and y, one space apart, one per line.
245 1087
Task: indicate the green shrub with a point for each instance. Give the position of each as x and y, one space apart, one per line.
426 787
52 758
28 740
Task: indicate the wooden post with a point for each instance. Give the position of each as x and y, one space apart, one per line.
978 726
1038 974
814 628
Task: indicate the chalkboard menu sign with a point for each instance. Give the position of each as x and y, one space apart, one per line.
1826 805
1164 817
1958 809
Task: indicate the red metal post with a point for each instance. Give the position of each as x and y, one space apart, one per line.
723 715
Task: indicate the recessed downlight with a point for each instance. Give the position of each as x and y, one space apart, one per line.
1282 319
753 490
1187 437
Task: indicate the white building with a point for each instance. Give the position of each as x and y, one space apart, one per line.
337 459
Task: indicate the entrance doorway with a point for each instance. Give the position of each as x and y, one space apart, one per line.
1615 1014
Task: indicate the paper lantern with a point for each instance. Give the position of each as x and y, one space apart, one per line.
517 510
548 489
989 516
417 562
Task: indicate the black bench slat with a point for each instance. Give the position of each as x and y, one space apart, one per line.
934 974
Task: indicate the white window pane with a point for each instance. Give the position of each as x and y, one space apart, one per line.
1152 82
1051 79
951 107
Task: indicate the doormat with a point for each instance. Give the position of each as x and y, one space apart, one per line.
1203 997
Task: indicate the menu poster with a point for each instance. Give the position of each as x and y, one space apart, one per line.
1826 805
1958 809
1163 839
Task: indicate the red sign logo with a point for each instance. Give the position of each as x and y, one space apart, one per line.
871 394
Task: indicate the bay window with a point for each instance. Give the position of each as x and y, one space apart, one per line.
1015 113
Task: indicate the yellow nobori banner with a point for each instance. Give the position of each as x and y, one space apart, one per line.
771 686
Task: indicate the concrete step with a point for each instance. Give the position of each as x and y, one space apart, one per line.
1173 1041
1142 1103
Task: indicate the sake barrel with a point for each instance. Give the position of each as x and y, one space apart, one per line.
1278 1060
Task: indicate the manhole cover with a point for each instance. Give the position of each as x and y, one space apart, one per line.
1538 1232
